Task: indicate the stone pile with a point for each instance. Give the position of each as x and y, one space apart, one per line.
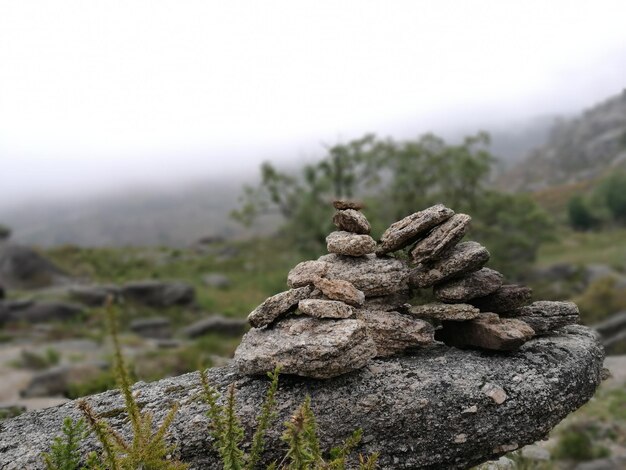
351 305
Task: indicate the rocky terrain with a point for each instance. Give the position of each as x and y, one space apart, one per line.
578 149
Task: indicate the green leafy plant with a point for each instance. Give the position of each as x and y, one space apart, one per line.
147 449
300 435
64 452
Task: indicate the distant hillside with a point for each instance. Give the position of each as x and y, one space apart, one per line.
156 216
577 150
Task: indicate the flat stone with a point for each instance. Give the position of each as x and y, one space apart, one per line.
305 346
344 291
345 204
463 258
278 305
545 316
402 233
94 295
394 332
442 238
438 311
159 293
351 220
487 331
216 324
477 284
507 298
370 274
320 308
350 244
387 303
304 273
39 312
153 327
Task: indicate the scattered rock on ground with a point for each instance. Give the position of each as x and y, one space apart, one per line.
94 295
442 238
404 232
350 220
464 258
487 331
216 324
159 293
394 332
507 298
56 381
320 308
309 347
24 268
440 311
477 284
337 289
154 327
350 244
277 306
35 312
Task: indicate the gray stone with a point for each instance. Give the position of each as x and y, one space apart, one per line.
477 284
154 327
277 306
394 332
337 289
36 312
350 244
544 316
159 293
24 268
437 311
409 407
487 331
441 239
345 204
506 299
374 276
463 258
402 233
94 295
306 346
535 452
303 274
216 280
350 220
320 308
216 324
57 380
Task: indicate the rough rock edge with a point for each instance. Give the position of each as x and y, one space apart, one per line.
395 401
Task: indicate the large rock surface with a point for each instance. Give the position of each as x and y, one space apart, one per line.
410 408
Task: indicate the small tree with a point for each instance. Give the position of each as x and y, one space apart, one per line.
5 232
579 215
614 190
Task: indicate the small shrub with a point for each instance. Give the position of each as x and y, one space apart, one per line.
580 215
577 443
38 361
600 300
64 452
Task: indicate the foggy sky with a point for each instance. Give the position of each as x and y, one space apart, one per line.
105 94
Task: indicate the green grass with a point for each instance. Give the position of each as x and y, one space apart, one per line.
595 247
258 270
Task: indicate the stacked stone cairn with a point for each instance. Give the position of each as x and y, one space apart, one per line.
351 305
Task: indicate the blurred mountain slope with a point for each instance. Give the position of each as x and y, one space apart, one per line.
580 149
